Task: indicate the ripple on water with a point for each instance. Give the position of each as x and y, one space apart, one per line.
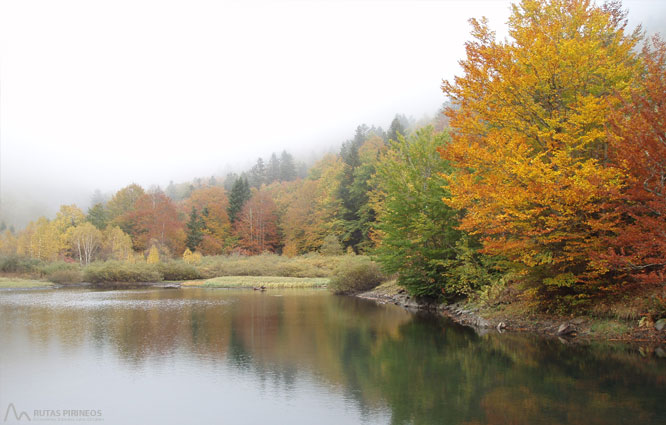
98 300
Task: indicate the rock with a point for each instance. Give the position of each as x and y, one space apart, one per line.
578 321
566 329
501 326
660 324
483 323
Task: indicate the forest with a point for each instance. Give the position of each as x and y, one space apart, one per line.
544 173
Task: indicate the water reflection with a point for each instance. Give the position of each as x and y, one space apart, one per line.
202 355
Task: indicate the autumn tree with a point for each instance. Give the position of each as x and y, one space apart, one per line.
123 202
117 244
155 219
530 136
312 211
211 204
256 226
85 240
8 243
639 148
41 240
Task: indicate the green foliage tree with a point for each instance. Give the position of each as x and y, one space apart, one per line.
416 231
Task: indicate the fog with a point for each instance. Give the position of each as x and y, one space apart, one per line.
97 95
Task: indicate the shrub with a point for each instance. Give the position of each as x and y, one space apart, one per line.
355 274
66 276
62 272
16 264
178 270
117 271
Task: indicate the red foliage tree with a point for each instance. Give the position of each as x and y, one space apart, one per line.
640 149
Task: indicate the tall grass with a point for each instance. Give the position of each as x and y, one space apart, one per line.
273 265
311 265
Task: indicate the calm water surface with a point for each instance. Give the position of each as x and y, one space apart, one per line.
200 356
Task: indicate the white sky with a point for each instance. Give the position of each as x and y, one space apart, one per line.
98 94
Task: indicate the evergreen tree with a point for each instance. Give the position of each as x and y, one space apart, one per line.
230 180
240 193
273 169
398 126
195 229
171 191
287 167
257 175
98 216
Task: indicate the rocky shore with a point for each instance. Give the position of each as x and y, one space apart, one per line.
568 329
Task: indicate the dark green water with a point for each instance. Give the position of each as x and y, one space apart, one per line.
199 356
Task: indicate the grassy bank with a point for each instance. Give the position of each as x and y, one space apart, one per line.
18 283
269 282
311 266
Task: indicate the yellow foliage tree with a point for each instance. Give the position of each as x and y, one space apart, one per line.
192 258
40 240
530 134
153 255
118 244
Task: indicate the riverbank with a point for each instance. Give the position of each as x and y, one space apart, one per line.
516 318
19 283
258 282
235 282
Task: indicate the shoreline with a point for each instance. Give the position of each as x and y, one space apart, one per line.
578 329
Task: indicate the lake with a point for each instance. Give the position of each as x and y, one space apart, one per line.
199 356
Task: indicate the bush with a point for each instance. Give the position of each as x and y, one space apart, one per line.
178 270
16 264
62 272
118 271
66 276
355 274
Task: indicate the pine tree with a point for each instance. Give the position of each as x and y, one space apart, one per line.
273 169
240 193
98 216
195 229
287 167
257 175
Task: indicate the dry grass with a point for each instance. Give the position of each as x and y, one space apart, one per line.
270 282
12 283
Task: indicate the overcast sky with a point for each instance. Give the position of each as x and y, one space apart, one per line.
99 94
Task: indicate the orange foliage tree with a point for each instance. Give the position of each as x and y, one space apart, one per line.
640 149
155 219
530 136
256 227
211 203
